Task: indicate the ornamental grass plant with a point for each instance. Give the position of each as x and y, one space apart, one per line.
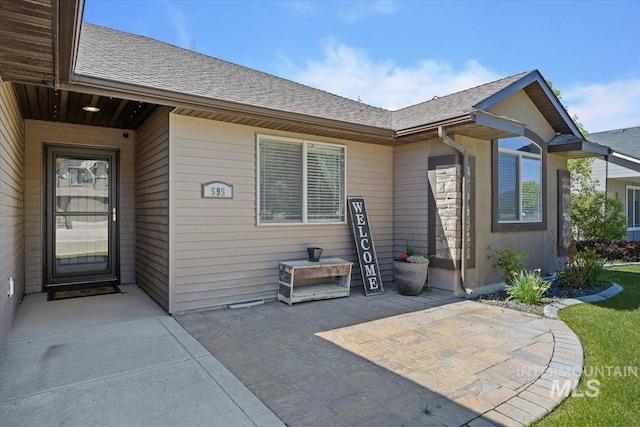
527 287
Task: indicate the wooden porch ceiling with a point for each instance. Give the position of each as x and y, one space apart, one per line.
44 103
26 41
38 39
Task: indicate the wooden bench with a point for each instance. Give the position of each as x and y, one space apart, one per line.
305 280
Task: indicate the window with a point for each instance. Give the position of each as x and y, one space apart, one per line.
77 176
633 207
300 182
519 181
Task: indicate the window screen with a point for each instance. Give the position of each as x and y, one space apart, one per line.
633 207
531 189
288 170
325 176
508 188
280 182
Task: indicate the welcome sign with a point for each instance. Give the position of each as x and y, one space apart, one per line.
365 247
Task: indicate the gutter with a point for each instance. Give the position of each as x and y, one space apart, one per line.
464 220
460 120
105 87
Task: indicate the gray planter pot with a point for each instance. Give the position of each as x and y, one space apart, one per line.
550 277
314 254
410 278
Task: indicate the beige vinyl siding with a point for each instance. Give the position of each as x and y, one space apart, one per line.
152 206
11 206
220 255
411 192
37 134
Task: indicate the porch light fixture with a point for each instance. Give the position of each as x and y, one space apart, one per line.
91 109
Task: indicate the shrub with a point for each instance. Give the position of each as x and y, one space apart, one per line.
527 287
584 268
597 215
612 251
508 260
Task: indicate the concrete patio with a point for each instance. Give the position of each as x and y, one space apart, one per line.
391 360
115 360
384 360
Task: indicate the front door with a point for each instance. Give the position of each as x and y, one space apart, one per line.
81 221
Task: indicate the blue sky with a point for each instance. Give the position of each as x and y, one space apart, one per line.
393 54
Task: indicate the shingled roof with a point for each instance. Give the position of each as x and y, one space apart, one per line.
625 141
141 61
115 56
449 106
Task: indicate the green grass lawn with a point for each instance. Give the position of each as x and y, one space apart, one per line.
610 334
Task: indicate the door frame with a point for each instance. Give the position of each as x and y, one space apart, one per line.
80 281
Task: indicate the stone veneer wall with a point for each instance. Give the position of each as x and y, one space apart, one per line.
564 225
449 209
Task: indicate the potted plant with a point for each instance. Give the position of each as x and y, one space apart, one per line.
410 270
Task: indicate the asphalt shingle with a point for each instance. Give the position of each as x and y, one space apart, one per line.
126 58
625 141
449 106
136 60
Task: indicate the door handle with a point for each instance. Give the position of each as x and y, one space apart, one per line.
114 214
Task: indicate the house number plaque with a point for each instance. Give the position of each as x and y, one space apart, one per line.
217 190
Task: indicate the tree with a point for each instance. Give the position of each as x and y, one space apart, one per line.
597 216
594 213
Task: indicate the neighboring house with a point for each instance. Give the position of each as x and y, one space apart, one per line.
483 167
620 174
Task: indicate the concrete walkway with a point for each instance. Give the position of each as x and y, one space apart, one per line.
395 361
115 360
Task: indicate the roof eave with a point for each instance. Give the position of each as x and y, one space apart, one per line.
624 160
520 84
503 125
105 87
67 22
500 123
579 149
452 121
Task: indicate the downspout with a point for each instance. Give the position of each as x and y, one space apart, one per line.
464 220
606 189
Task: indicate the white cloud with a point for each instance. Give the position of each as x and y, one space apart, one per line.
351 12
352 73
301 7
607 106
177 20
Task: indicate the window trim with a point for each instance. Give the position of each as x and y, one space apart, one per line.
498 226
626 204
520 156
304 142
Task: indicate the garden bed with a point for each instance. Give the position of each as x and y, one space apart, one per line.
555 293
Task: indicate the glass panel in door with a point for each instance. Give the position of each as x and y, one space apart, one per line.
82 216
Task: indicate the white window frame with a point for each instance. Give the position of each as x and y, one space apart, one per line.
626 204
520 155
304 143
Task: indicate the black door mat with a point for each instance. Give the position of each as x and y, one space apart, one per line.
89 292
